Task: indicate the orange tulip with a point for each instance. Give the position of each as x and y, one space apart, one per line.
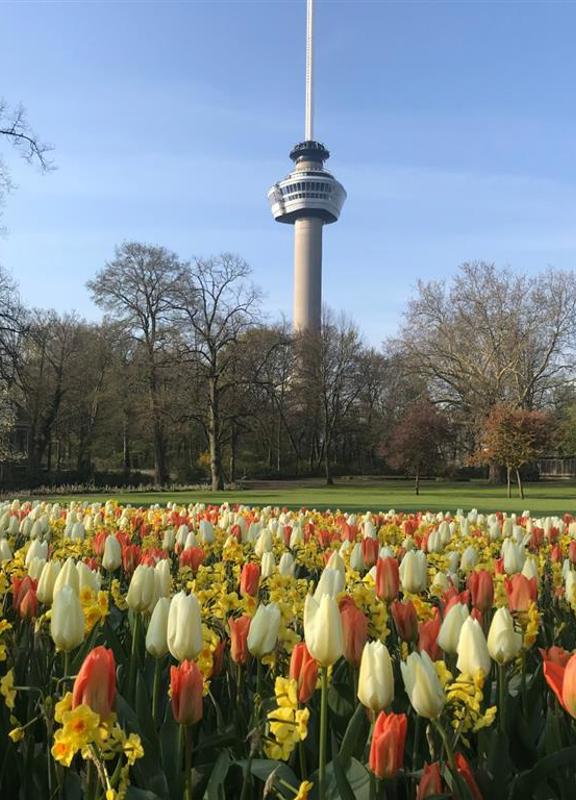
186 686
428 637
387 579
406 620
562 680
239 629
24 598
192 557
355 630
521 592
304 670
387 747
370 549
465 772
481 588
95 684
249 579
430 783
556 654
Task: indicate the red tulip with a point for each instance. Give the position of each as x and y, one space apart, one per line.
481 587
465 772
304 670
186 688
355 630
556 554
556 654
24 597
218 659
239 638
562 681
406 620
249 579
387 579
387 747
130 557
370 549
431 782
95 684
521 592
572 552
192 557
428 637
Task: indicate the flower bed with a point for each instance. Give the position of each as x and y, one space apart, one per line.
234 652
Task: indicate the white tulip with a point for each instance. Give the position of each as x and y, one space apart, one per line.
287 565
112 557
264 627
67 620
141 594
423 686
473 652
157 633
451 628
331 582
413 576
504 643
184 632
323 629
268 564
376 678
67 576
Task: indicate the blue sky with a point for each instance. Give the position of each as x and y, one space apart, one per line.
452 126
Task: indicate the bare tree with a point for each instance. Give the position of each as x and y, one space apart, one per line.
490 337
137 289
217 307
329 379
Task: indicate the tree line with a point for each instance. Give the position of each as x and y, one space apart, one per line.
184 379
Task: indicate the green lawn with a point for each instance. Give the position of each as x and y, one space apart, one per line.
359 495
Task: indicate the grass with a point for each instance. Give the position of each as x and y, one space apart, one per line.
360 495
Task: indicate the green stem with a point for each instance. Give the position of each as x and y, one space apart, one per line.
449 752
323 733
134 657
523 684
501 698
66 664
156 689
187 763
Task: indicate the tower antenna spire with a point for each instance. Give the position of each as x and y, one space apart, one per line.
309 116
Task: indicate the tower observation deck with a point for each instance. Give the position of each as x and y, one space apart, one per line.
309 197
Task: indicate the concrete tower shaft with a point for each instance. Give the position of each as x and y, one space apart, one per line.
308 198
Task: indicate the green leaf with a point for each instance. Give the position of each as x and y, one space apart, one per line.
344 788
356 735
526 783
215 787
133 793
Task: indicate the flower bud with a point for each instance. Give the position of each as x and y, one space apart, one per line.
184 632
304 670
473 655
239 628
323 629
413 572
504 643
47 580
354 630
112 558
141 594
186 689
376 679
268 564
264 628
405 619
481 587
387 746
67 576
451 627
331 582
157 633
387 579
95 684
67 620
249 579
422 685
286 565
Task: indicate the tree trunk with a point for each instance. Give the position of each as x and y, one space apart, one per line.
161 474
495 473
217 479
520 486
126 449
508 481
233 450
417 481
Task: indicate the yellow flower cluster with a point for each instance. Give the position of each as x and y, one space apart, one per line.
464 700
287 723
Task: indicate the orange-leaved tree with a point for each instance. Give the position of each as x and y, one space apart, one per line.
513 437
